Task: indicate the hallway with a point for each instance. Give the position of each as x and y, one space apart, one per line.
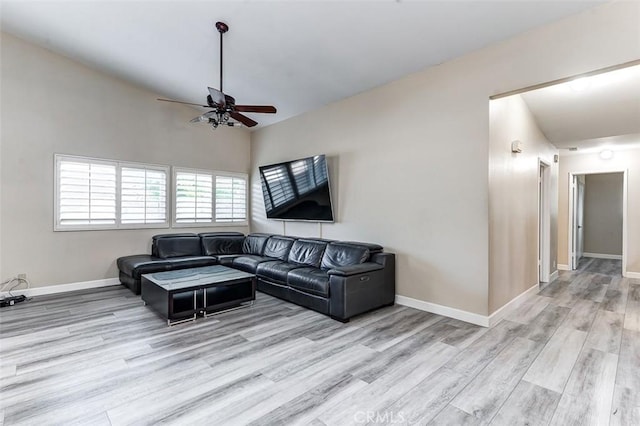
590 320
600 266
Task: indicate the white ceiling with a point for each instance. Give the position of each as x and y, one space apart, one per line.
297 56
595 111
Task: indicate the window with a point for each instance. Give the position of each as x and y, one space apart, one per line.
205 198
143 195
86 193
231 199
93 194
103 194
194 197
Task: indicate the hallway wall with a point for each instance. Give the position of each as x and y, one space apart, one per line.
513 200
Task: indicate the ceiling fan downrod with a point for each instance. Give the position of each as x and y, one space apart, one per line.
222 28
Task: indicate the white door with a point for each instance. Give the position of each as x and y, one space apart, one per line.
540 221
544 221
578 221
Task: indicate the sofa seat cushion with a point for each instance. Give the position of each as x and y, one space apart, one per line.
139 264
191 262
227 259
276 271
249 262
309 280
134 266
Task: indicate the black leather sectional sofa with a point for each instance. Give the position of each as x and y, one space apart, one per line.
338 278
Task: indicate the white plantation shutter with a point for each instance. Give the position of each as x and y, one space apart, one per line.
105 194
143 195
86 193
231 199
194 197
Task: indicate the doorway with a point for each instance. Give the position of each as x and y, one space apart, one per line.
597 218
577 247
544 221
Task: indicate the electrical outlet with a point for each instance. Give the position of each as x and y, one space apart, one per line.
22 276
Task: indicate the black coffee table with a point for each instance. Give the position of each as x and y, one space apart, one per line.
180 296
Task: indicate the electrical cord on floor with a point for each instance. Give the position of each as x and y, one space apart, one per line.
12 284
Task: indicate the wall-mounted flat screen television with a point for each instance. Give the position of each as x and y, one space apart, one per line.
297 190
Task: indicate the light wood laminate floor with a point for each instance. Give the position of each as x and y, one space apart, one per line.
569 356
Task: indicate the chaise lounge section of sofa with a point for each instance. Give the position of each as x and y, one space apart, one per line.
337 278
168 252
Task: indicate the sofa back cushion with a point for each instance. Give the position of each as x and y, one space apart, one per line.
254 244
166 246
221 243
339 254
307 252
373 248
278 247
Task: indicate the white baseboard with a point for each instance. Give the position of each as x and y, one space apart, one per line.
446 311
63 288
553 276
632 275
562 267
603 256
470 317
512 305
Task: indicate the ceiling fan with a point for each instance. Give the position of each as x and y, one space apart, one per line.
224 106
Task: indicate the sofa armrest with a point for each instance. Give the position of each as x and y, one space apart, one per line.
362 268
361 288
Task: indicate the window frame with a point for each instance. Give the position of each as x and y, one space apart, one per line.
214 222
58 227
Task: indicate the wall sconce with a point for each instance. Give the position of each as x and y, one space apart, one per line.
516 146
556 158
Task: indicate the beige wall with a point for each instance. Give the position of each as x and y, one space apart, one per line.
513 200
51 104
628 160
410 158
603 213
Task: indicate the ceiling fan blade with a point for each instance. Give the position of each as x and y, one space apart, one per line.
181 102
243 119
266 109
217 97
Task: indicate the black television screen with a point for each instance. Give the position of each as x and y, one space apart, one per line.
297 190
